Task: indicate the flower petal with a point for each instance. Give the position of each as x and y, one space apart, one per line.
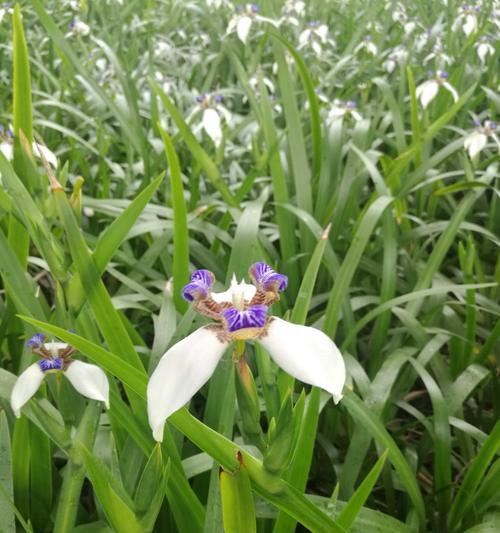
426 92
200 285
25 387
181 372
211 124
243 26
89 380
306 354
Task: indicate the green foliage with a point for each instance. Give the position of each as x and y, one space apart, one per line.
387 229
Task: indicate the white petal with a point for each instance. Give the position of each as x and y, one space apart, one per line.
25 387
316 47
306 354
451 89
47 154
211 124
89 380
474 143
322 32
356 116
470 24
426 92
372 49
181 372
304 37
7 150
243 28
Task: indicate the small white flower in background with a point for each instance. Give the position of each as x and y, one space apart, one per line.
367 45
441 59
254 84
7 147
211 108
167 84
89 380
400 16
78 28
242 21
217 3
241 314
5 9
467 19
484 48
73 4
342 108
315 36
292 11
427 91
477 140
396 58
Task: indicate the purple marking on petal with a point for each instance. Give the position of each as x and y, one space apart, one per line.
50 364
264 276
218 98
199 287
493 125
36 341
253 317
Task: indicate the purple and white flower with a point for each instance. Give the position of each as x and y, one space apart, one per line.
341 108
467 19
78 28
427 91
5 9
291 12
438 55
484 48
315 36
212 111
241 314
367 45
89 380
476 141
242 21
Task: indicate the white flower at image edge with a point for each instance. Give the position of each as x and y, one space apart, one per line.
89 380
240 313
476 141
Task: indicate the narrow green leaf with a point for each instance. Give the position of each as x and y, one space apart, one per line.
352 508
181 236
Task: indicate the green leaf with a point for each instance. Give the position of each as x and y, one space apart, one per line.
238 508
352 508
181 235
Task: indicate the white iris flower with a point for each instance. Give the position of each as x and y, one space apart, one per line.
427 91
315 36
212 110
344 109
88 380
78 28
484 48
367 45
5 9
477 140
240 314
244 18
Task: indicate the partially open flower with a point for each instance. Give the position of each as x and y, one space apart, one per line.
242 21
241 314
89 380
342 108
78 28
212 110
477 140
427 91
39 150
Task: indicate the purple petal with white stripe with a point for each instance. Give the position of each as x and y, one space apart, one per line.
268 279
50 364
200 285
253 317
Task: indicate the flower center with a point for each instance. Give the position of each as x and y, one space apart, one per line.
50 365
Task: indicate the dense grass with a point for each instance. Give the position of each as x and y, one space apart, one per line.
387 230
